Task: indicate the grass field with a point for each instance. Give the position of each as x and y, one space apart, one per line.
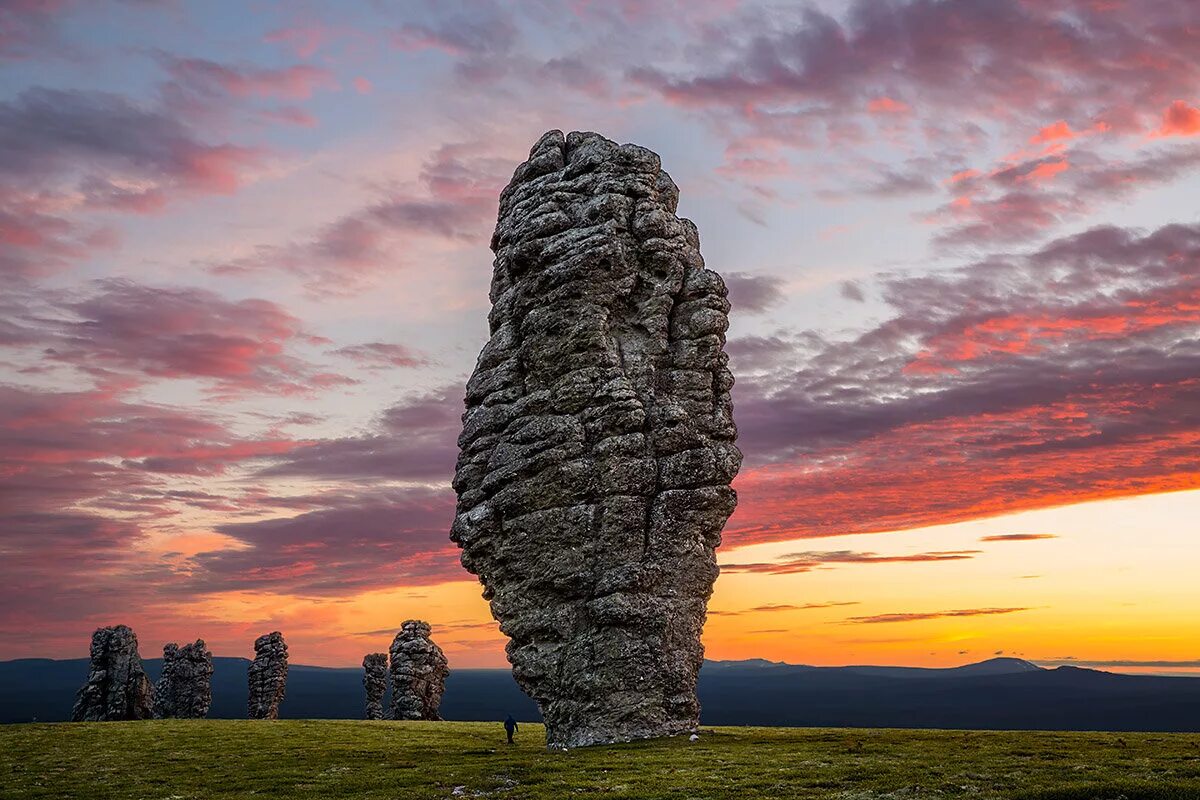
174 760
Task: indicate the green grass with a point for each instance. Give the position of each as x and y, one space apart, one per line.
178 759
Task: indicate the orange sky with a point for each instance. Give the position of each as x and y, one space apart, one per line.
1103 581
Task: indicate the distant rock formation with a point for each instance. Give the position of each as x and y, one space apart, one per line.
268 676
375 678
598 444
184 689
419 671
117 687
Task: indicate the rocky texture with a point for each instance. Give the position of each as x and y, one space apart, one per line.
598 442
419 671
268 676
375 678
184 689
117 687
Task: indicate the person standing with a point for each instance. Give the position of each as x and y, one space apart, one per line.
510 727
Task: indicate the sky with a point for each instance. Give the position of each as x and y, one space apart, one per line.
244 252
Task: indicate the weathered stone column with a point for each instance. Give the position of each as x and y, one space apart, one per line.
598 443
418 671
117 687
184 689
268 676
375 678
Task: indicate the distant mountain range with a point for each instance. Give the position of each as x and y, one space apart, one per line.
1001 693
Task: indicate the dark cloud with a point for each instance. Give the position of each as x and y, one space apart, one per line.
753 294
806 562
213 79
46 132
917 617
385 539
123 327
1018 537
415 439
852 290
783 607
381 355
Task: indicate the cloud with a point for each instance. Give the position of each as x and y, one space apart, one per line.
772 607
886 105
415 439
753 294
1018 381
46 132
29 27
851 290
466 30
176 332
918 617
998 59
88 484
808 561
35 242
455 204
1022 200
381 355
910 72
296 82
386 539
1180 119
1017 537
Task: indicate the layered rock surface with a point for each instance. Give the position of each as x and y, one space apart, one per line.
268 676
375 678
184 689
418 672
117 687
598 442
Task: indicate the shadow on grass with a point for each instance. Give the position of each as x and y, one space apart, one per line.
1115 791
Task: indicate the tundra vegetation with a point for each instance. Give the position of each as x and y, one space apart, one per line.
417 759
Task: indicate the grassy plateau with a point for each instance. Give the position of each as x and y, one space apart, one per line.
184 759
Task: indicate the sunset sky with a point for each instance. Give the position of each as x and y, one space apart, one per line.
244 252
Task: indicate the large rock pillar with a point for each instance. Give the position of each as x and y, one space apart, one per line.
598 444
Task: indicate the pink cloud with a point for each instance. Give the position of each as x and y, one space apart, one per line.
886 105
145 332
999 61
456 203
381 355
1011 383
1180 119
297 82
117 154
304 40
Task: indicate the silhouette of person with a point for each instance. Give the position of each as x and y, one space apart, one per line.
510 727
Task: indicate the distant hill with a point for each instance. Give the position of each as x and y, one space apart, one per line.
1001 693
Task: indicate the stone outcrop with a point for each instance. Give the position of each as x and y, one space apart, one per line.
375 679
418 671
117 687
268 676
184 690
598 443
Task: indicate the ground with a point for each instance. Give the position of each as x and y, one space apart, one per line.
185 759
